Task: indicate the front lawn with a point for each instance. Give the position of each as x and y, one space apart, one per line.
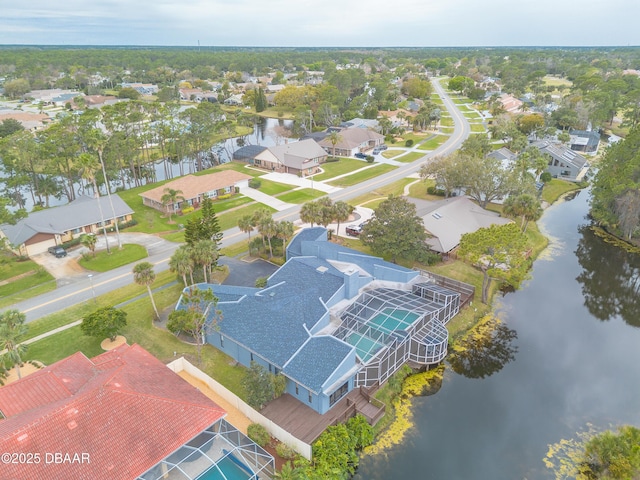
409 157
477 128
392 153
395 188
104 261
301 196
24 279
341 167
433 143
363 175
269 187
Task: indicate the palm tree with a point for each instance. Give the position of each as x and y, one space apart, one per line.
245 224
205 253
310 212
171 197
89 241
87 169
284 231
12 327
525 206
267 228
182 263
143 274
334 138
341 212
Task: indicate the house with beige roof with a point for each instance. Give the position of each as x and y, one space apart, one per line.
194 188
351 141
299 158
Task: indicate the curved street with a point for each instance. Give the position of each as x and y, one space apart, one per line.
81 288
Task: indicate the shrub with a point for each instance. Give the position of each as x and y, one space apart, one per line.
224 197
258 434
255 183
72 243
332 159
370 159
408 143
285 451
261 282
546 177
187 210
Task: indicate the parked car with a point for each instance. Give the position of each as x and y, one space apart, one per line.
355 230
57 251
377 150
360 155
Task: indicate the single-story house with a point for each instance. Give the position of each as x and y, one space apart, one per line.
53 226
333 319
510 103
234 100
194 188
299 158
563 162
51 96
352 141
30 121
120 415
447 220
142 88
584 141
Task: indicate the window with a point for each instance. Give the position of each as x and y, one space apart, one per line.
338 394
251 355
297 389
221 341
310 397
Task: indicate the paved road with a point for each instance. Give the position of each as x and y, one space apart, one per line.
101 283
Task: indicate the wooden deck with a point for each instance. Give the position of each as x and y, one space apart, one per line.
306 424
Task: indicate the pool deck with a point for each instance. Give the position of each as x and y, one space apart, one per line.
306 424
234 416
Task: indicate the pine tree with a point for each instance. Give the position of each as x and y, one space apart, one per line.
204 227
261 101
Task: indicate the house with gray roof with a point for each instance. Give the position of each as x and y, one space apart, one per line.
333 319
563 162
300 158
447 220
54 226
584 141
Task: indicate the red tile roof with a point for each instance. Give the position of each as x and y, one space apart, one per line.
124 409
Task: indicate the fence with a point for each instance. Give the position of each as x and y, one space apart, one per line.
276 431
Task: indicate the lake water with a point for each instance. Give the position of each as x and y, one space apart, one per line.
576 361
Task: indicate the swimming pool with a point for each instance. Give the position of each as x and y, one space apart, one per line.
391 319
226 469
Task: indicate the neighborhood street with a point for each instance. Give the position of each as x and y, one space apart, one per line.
81 287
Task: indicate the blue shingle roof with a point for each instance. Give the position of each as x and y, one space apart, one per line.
271 322
317 360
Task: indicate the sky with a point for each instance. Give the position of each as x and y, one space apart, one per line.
321 23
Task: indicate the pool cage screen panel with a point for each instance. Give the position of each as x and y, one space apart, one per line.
388 327
220 444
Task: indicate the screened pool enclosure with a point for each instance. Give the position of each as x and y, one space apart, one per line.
389 327
221 452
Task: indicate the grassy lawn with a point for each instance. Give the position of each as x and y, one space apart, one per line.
273 188
419 190
359 177
35 280
556 81
410 157
301 196
465 108
237 248
447 129
395 188
433 143
391 153
104 261
342 166
416 137
555 188
472 116
477 128
446 122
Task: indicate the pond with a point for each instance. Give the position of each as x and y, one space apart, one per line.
568 356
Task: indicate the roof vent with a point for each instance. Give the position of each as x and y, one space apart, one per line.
72 424
322 269
23 437
436 215
272 294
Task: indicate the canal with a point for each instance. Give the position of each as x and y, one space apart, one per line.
570 355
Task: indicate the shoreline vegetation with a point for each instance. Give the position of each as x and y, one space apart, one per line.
400 390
